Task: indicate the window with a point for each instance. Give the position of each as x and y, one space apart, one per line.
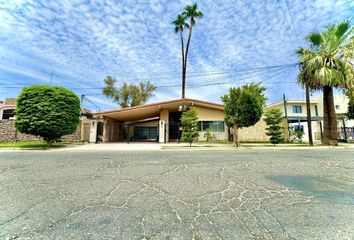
213 126
299 128
297 109
337 107
8 113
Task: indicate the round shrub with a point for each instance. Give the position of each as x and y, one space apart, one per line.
47 111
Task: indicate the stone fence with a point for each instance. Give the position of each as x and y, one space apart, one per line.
8 133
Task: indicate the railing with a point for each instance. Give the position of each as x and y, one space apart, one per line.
345 134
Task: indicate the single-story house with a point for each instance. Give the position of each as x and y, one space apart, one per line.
159 121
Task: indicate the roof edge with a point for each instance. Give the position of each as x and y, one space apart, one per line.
159 103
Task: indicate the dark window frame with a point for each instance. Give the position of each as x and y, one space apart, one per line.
297 109
213 126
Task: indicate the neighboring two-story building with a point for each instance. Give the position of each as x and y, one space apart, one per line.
295 113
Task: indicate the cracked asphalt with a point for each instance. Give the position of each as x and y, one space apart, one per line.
247 194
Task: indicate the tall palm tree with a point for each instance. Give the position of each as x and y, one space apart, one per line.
327 65
191 12
180 24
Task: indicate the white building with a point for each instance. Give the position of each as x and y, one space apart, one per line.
295 112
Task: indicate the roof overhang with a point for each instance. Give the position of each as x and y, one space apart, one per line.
153 109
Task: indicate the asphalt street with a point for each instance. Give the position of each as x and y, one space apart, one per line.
246 194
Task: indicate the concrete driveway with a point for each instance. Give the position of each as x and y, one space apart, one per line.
249 194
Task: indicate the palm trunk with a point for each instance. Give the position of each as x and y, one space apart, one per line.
185 60
308 113
329 118
183 73
236 142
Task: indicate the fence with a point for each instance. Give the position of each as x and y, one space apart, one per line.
345 134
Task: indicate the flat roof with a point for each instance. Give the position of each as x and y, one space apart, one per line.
312 101
153 109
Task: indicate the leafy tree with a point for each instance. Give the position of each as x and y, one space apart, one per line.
243 107
190 124
128 95
273 119
190 12
47 111
327 65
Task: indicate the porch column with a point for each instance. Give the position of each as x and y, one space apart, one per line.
164 116
93 131
105 137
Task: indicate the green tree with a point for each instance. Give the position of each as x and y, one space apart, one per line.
327 65
128 95
243 107
190 123
190 13
47 111
273 119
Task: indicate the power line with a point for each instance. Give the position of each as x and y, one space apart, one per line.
191 74
292 20
245 71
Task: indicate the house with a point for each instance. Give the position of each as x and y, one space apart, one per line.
7 109
159 121
294 111
295 115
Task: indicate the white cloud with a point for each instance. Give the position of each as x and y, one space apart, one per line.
82 42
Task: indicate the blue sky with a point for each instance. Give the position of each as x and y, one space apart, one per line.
81 41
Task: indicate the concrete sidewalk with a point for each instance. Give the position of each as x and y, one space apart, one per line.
195 147
91 147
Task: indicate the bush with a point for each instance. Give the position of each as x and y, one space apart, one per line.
47 111
209 137
298 134
273 118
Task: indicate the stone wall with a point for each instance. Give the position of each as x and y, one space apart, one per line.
8 133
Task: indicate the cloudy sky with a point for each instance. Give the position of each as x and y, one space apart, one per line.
76 43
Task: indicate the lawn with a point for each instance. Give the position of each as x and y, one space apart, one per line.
230 144
35 145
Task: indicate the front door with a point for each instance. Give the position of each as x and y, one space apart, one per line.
175 125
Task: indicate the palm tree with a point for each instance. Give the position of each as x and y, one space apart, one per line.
180 24
191 12
327 65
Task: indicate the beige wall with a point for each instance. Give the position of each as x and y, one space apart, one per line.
208 114
164 115
254 133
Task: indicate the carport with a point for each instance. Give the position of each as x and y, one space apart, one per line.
150 122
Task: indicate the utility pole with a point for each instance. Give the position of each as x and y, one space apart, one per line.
286 114
51 78
82 100
308 104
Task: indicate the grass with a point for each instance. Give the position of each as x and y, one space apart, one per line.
230 144
35 145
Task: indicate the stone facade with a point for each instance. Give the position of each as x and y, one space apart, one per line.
8 133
